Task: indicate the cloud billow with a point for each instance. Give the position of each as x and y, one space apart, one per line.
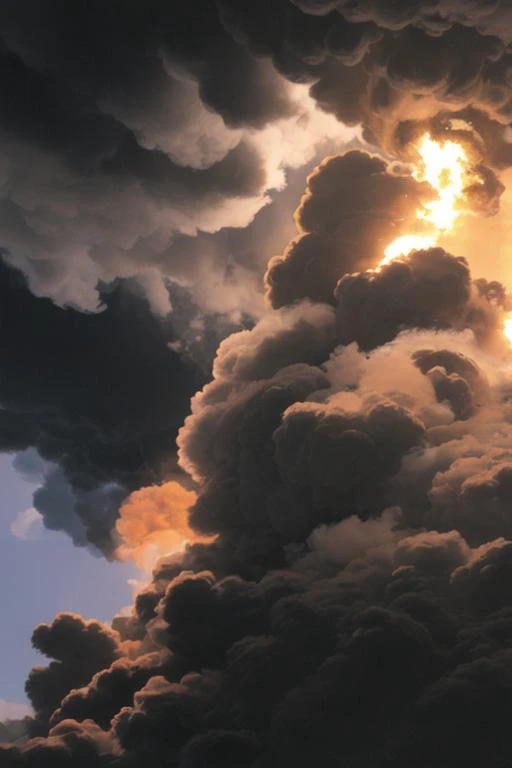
338 590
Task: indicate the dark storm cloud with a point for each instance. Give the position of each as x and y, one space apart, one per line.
141 126
123 131
70 745
240 467
479 504
112 688
427 289
366 615
352 453
338 461
354 205
359 655
388 65
103 416
79 648
99 396
119 52
274 465
221 749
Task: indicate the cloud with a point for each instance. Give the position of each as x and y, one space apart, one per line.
403 67
427 289
26 524
86 432
79 649
119 159
346 469
153 522
353 205
356 496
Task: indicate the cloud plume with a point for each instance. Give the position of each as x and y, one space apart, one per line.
329 507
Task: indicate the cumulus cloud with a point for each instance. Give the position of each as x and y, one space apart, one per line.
400 65
153 522
354 205
74 408
358 502
346 471
428 289
79 648
133 144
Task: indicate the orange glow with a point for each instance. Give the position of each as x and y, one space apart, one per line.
404 245
507 327
153 522
445 166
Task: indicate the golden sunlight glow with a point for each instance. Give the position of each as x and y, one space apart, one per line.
404 245
153 523
445 166
507 328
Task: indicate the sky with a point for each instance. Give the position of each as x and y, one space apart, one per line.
256 384
33 567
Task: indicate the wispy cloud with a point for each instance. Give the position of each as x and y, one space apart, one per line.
26 524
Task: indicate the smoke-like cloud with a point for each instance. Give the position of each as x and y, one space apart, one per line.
322 470
153 522
345 477
99 397
78 648
354 205
148 125
392 66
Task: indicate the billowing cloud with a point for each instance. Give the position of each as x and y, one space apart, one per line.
73 389
392 66
354 205
145 135
153 522
346 471
139 135
428 289
78 648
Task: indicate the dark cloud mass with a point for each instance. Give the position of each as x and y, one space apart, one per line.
353 206
356 595
430 289
79 649
341 593
122 131
387 64
100 397
124 128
